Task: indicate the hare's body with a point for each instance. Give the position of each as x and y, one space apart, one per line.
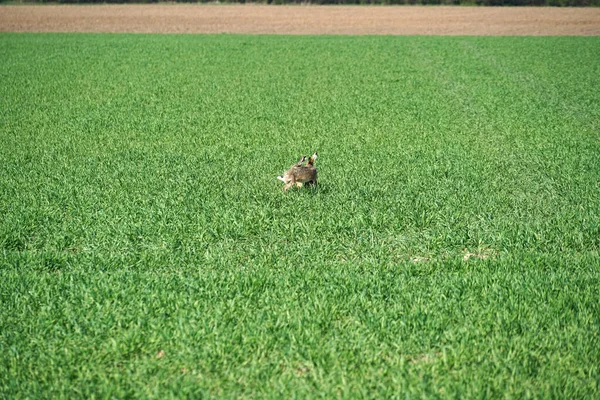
299 174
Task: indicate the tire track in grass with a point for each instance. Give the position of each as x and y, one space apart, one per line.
508 168
557 112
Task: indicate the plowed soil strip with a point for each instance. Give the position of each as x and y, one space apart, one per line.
339 20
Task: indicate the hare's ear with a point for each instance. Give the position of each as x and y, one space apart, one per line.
299 163
312 159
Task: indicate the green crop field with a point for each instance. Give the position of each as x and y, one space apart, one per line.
147 249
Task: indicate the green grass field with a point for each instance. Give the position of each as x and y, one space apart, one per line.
450 250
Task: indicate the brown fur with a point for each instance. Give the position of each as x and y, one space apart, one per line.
298 174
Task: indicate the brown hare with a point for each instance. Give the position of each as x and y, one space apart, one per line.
299 174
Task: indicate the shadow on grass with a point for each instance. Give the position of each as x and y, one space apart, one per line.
319 189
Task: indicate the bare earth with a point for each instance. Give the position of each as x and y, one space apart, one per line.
339 20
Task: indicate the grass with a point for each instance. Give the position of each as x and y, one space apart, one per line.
450 250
